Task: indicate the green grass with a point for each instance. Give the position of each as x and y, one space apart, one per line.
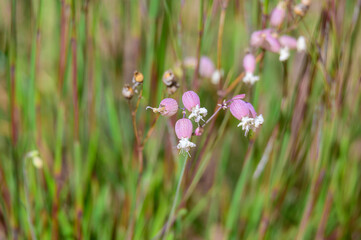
91 185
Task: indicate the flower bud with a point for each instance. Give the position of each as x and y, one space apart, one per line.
278 15
184 128
128 92
138 77
198 131
190 99
249 63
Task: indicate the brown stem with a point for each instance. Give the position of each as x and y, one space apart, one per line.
199 44
63 44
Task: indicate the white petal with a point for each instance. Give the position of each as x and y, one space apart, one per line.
284 54
301 44
250 78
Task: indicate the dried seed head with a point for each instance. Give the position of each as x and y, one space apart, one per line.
168 78
172 89
306 2
138 77
300 9
128 92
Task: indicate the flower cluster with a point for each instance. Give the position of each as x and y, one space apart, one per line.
240 109
271 40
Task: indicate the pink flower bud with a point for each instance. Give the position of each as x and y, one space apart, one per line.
206 67
288 41
239 109
170 107
249 63
190 100
278 15
198 131
240 96
252 112
184 128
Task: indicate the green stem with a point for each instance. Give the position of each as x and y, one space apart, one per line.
175 198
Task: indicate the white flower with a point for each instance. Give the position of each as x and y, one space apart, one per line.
248 123
198 113
250 78
185 145
284 54
301 44
216 76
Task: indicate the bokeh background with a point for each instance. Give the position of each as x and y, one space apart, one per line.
63 65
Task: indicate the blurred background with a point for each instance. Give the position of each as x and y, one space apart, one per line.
72 167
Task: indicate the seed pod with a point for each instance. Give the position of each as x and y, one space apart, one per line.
300 9
128 92
138 77
278 15
206 67
168 78
249 63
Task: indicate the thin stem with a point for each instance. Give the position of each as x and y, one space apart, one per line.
211 117
27 202
199 45
175 198
220 37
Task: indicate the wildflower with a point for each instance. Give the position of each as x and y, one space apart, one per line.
287 43
245 112
183 130
266 39
206 67
167 107
278 15
249 64
192 103
216 76
128 92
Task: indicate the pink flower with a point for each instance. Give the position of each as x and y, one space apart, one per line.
239 96
206 67
183 130
245 112
239 109
192 103
249 64
167 107
288 41
198 131
278 15
265 39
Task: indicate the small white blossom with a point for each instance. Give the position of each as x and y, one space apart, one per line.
284 54
185 145
248 123
37 162
198 113
250 78
216 76
301 44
